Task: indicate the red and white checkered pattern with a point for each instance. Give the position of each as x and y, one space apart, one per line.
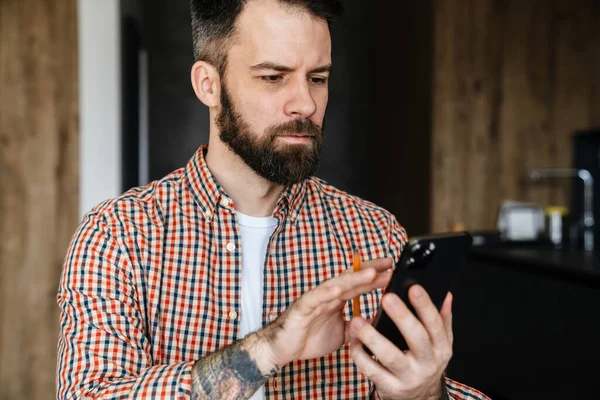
151 283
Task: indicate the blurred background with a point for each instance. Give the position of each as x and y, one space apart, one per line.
440 111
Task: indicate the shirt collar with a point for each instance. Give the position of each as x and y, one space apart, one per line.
208 194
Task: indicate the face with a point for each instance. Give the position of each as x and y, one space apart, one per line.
274 92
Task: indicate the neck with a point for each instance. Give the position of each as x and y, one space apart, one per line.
252 194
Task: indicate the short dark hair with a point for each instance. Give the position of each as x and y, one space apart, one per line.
213 24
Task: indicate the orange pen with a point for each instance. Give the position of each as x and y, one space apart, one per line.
356 268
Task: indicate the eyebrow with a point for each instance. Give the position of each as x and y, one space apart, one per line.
283 68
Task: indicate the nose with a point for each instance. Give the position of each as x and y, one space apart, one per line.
301 103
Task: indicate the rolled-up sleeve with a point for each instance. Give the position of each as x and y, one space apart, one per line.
103 348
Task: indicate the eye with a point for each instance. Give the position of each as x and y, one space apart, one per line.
318 80
271 78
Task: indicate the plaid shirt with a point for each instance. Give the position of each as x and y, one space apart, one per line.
151 283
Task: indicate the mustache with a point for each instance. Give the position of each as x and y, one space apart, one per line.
297 127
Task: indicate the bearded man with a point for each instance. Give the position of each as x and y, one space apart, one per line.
229 278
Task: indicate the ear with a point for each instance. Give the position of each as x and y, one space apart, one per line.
207 83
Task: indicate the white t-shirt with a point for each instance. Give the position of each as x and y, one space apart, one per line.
255 232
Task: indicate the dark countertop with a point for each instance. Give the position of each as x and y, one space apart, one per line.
523 321
574 264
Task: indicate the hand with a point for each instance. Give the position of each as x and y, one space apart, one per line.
418 372
314 325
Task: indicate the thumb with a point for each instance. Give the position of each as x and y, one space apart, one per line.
348 334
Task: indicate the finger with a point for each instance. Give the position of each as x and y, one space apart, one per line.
381 264
412 329
317 297
348 292
370 368
446 313
347 285
381 280
429 316
333 292
386 352
348 334
349 281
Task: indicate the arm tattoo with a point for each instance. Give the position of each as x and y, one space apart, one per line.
230 373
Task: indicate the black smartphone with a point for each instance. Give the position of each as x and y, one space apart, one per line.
431 261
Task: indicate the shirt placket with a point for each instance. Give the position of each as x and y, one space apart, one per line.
271 294
230 260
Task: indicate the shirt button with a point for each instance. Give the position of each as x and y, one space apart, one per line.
225 202
208 214
232 315
272 316
230 247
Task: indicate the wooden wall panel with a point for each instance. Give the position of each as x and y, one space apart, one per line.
513 79
38 185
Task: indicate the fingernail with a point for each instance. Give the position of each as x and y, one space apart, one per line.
359 323
418 292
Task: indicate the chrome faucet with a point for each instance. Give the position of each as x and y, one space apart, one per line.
588 196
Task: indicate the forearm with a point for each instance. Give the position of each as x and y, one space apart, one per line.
443 394
235 372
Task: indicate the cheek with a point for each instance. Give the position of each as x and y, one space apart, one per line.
321 100
261 111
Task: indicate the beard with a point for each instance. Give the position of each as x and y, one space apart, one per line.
285 165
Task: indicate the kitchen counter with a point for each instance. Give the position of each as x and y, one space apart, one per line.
524 319
569 264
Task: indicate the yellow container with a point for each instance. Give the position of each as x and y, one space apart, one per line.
557 227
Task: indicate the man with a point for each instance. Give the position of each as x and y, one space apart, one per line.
229 279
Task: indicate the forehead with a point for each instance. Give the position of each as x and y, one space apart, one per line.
269 31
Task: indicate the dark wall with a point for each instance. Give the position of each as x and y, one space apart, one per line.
178 122
344 161
377 123
400 137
